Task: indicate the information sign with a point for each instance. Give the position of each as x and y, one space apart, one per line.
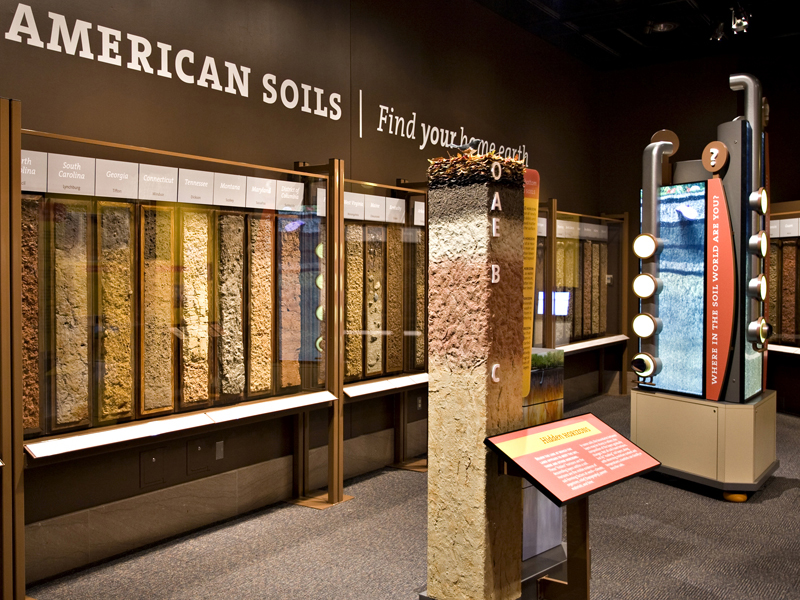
572 458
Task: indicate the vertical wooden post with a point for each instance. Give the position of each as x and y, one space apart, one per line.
12 498
334 342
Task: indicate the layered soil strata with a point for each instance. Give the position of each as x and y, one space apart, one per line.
772 288
71 295
394 298
538 319
375 299
577 325
595 289
788 290
603 288
30 312
354 300
195 305
116 311
587 288
231 295
290 339
260 304
157 316
419 313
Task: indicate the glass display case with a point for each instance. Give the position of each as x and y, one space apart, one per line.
385 280
156 283
585 268
782 274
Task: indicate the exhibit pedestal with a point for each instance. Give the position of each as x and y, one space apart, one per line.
723 445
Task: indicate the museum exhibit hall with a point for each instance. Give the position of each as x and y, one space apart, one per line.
452 300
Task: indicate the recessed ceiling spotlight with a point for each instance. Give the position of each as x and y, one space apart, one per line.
719 33
739 20
661 27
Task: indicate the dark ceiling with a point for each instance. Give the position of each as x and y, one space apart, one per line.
613 34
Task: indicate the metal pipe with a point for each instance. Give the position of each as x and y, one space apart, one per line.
752 112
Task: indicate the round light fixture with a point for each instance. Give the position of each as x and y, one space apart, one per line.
320 250
320 344
320 313
646 365
757 288
645 285
759 244
645 325
645 245
759 201
758 331
320 281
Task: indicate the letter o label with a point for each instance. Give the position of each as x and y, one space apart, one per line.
497 171
288 83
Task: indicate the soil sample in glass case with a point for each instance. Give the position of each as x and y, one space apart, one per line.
773 288
375 298
230 304
577 322
571 276
354 300
261 310
420 279
289 289
116 296
562 336
587 288
788 290
394 298
157 316
31 411
595 288
603 288
195 307
71 297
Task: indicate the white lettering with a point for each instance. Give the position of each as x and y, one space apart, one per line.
164 70
140 50
495 227
24 13
109 48
271 95
288 83
495 273
496 200
209 73
241 83
79 34
495 376
179 58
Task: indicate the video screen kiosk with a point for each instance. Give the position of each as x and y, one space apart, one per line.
568 460
700 406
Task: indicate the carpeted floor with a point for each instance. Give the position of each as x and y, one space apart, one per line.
650 540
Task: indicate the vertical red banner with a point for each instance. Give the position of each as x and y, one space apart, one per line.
720 288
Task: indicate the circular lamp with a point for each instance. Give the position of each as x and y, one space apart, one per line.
320 313
646 365
759 201
320 281
758 331
320 250
759 244
645 325
645 285
645 245
757 288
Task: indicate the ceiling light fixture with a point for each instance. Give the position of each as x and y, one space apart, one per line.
739 19
719 33
662 27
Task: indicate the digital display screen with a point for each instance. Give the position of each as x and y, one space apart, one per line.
681 265
560 304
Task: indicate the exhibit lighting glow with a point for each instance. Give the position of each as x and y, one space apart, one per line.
645 325
759 244
759 201
645 285
758 331
757 287
645 365
645 245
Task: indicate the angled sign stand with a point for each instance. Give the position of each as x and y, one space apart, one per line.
568 460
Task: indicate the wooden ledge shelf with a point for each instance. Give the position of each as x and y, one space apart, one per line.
783 349
362 389
86 440
593 344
